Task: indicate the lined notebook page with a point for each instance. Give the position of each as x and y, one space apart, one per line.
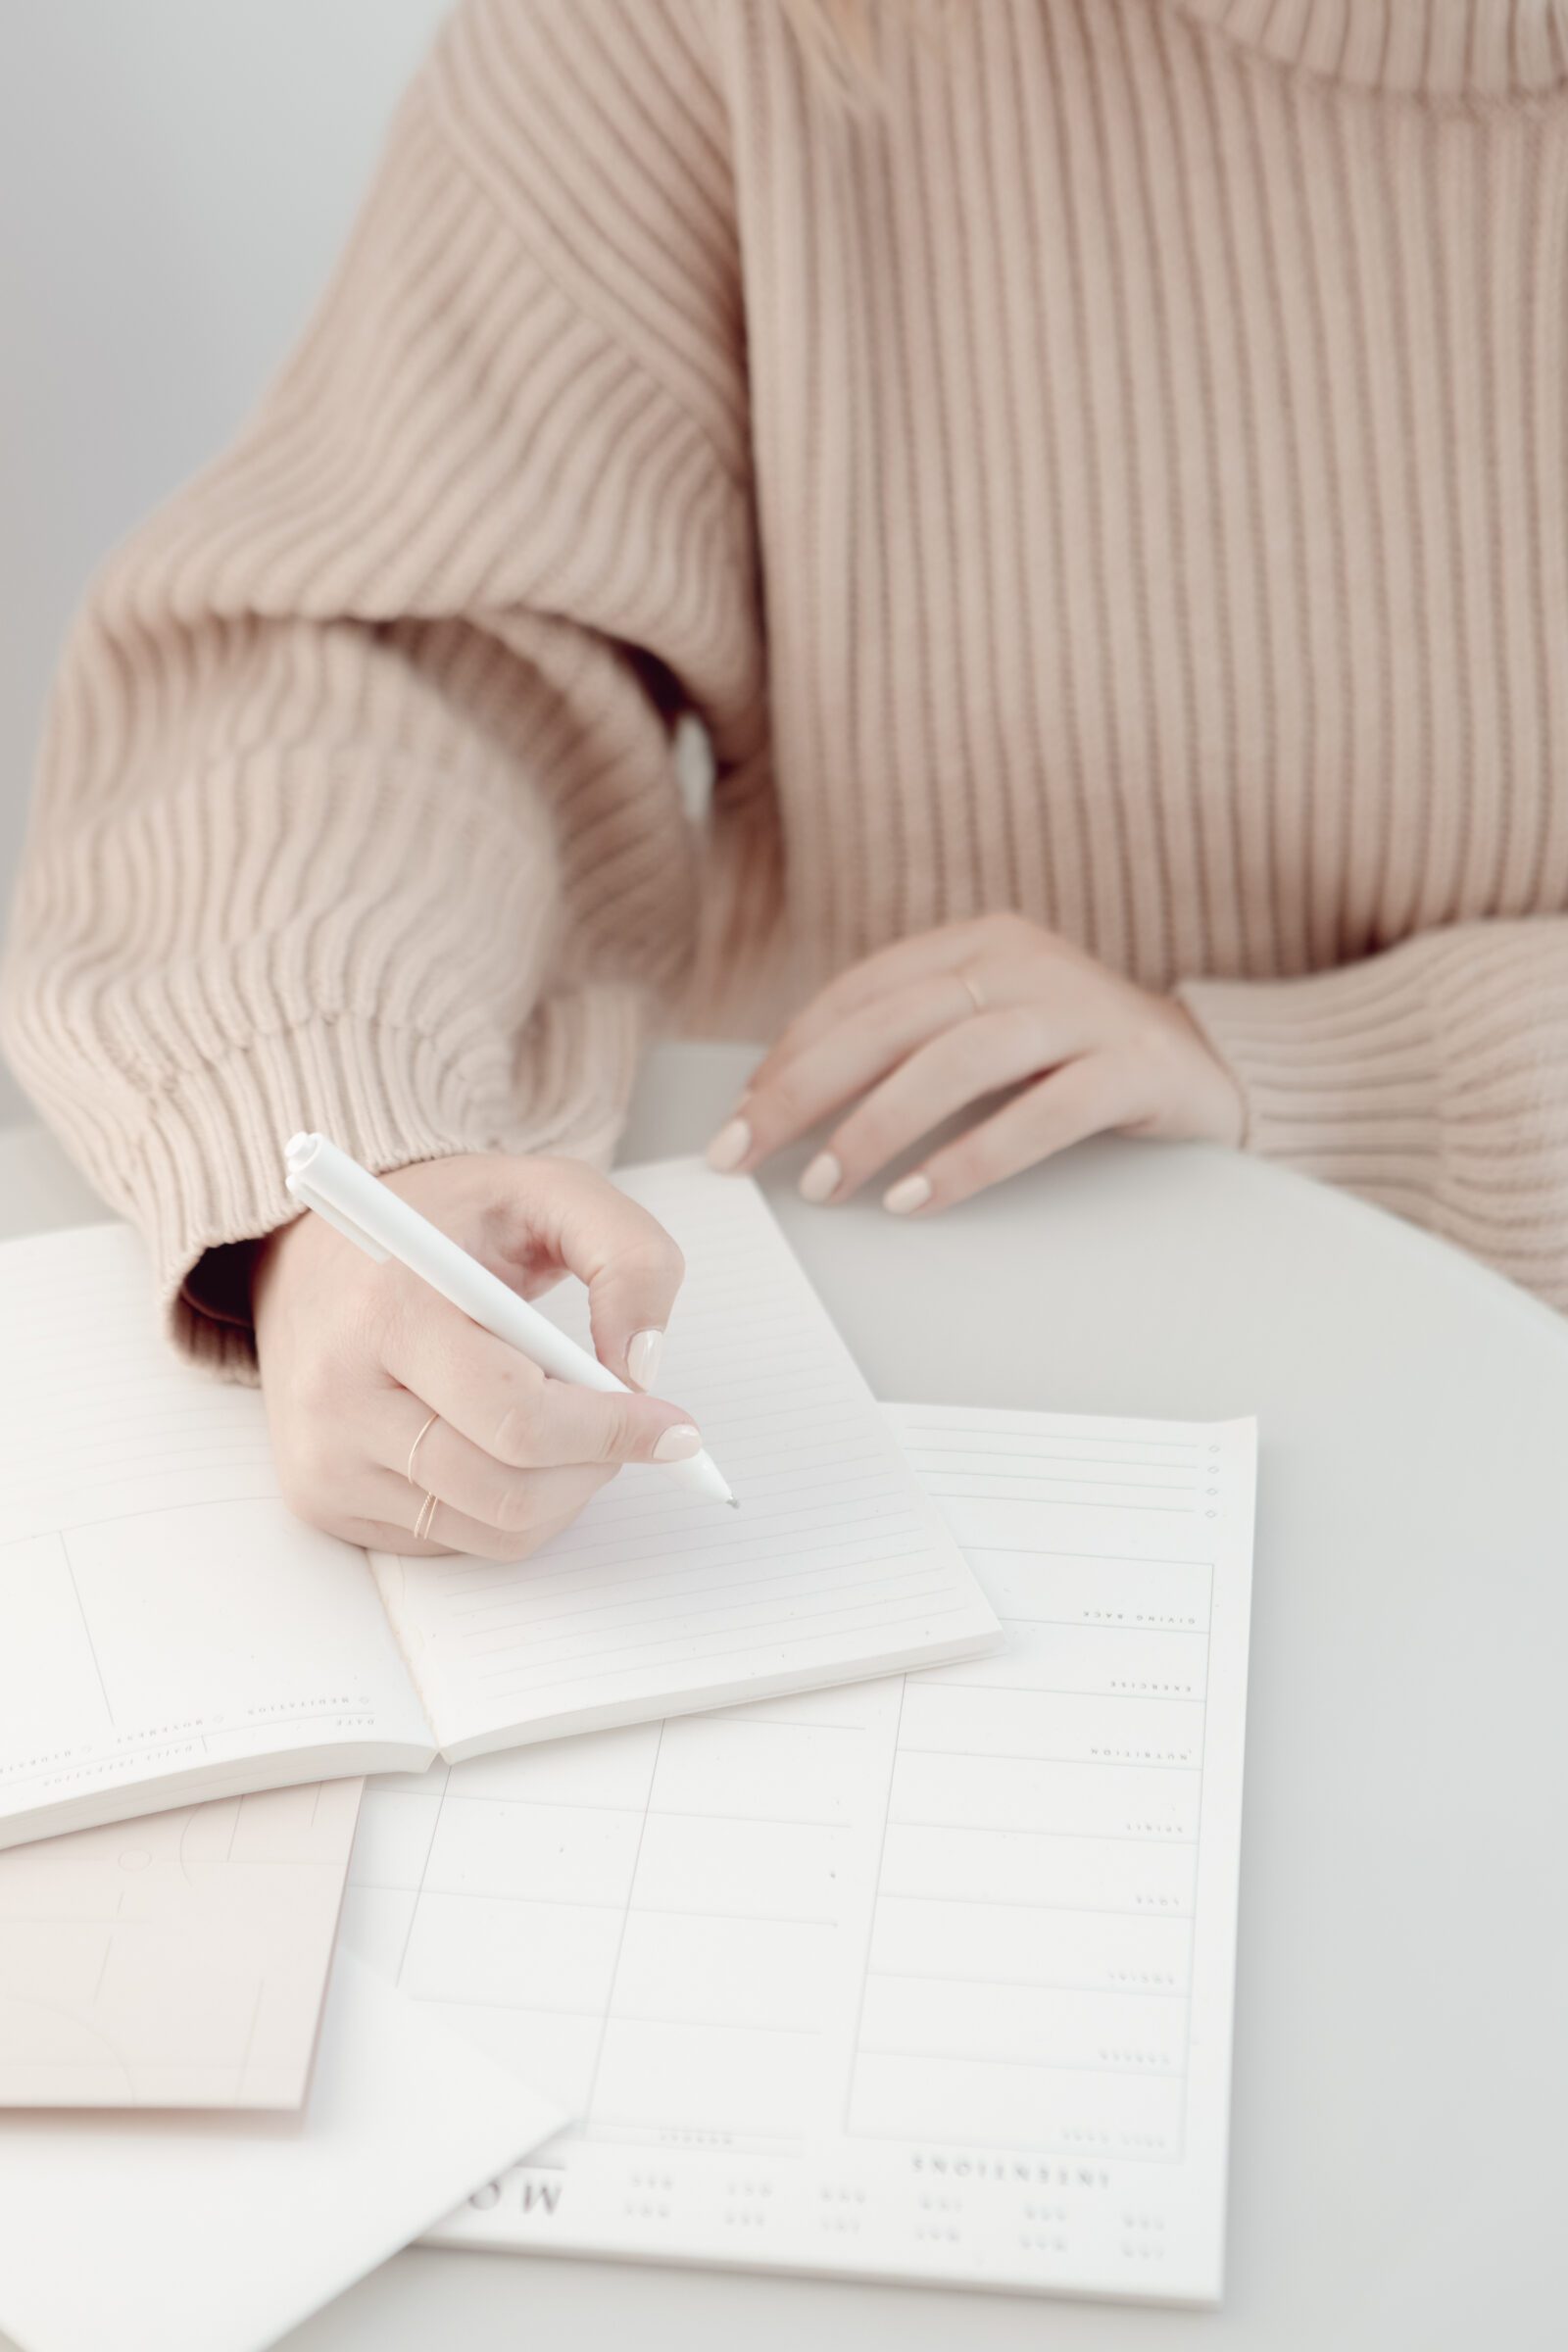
164 1618
177 1961
655 1601
926 1977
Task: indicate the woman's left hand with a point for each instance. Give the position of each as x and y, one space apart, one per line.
934 1024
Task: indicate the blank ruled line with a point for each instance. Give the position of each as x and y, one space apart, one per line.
1168 1511
971 1828
511 2006
1037 2144
735 1558
564 1558
707 1659
503 1894
641 1585
1018 1902
1032 1755
1051 1478
754 1821
980 1446
526 1804
1092 1559
609 1514
551 1804
915 1436
575 1902
654 1503
688 1602
622 2017
670 1511
991 1982
1109 1624
779 1723
766 1919
778 1415
684 1602
712 2025
1166 2071
953 1678
980 1461
538 1633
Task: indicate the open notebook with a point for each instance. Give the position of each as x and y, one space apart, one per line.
925 1979
168 1633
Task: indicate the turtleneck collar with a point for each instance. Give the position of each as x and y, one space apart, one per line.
1420 48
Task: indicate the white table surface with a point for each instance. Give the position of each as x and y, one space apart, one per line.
1398 2176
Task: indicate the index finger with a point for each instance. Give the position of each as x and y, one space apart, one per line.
918 957
628 1261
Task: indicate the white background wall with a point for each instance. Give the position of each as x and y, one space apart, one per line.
175 176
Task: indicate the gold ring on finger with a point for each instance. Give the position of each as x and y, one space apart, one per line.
971 987
425 1425
426 1521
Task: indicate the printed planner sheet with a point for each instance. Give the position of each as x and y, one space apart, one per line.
925 1977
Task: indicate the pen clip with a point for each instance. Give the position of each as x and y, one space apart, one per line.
308 1198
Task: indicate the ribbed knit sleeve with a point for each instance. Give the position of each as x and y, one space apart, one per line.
1142 422
357 808
1432 1079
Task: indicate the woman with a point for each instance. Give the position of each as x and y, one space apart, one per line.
1101 479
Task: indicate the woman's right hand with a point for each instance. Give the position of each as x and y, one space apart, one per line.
355 1356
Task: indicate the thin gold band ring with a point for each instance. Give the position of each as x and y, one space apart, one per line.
414 1447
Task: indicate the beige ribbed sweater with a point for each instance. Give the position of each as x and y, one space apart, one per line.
1121 474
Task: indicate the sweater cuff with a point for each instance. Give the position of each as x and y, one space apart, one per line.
207 1162
1339 1073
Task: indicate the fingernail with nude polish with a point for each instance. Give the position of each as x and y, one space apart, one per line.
821 1179
730 1146
679 1443
642 1357
911 1192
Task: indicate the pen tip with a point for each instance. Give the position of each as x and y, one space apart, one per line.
734 1505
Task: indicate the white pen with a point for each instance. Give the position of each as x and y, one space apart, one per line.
380 1221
